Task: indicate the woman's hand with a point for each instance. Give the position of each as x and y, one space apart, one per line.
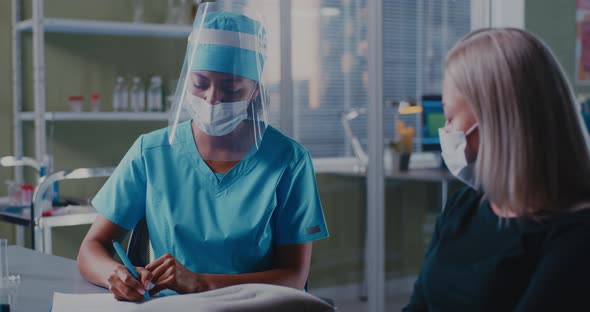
125 287
168 273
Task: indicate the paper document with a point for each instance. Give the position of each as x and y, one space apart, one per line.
89 303
243 298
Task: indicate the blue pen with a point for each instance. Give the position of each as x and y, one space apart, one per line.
128 264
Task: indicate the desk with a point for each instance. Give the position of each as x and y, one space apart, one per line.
442 176
42 275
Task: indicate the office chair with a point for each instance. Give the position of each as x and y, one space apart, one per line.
139 249
141 253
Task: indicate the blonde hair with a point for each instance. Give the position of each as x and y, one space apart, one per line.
533 154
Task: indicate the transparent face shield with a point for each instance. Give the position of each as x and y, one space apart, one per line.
220 99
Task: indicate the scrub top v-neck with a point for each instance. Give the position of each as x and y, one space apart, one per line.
216 223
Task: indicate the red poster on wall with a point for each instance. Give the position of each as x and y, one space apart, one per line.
583 42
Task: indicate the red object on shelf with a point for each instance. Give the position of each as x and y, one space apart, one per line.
95 96
26 191
76 98
28 187
49 213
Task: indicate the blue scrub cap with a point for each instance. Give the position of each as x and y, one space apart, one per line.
228 43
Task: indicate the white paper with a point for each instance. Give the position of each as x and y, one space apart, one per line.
246 297
89 303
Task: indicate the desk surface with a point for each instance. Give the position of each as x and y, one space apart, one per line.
42 275
433 175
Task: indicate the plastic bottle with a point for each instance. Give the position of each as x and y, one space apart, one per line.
138 10
183 13
155 94
137 96
120 96
172 12
76 102
95 102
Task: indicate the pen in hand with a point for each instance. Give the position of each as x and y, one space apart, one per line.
128 264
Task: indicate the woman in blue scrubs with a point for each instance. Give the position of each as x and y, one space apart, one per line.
227 198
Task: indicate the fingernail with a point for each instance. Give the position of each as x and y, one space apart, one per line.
141 291
150 286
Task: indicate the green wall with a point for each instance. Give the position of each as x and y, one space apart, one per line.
555 23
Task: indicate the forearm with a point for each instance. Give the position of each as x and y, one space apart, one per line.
283 277
96 263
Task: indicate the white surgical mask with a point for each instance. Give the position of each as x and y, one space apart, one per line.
453 146
219 119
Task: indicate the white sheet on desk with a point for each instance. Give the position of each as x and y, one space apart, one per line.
247 297
89 303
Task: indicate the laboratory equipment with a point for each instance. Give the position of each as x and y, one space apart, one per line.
120 96
75 102
95 102
138 11
26 194
3 262
154 100
137 95
345 118
172 12
184 17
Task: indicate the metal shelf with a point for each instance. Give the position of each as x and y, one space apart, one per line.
97 116
97 27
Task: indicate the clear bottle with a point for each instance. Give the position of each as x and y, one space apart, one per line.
137 96
138 11
183 13
155 94
172 12
120 96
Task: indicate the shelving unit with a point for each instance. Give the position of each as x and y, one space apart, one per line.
94 27
38 25
97 116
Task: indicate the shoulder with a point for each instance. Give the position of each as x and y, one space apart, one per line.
277 144
568 234
462 201
158 140
154 139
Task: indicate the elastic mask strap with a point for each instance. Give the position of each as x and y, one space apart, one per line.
468 132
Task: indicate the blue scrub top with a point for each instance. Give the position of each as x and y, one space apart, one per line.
219 224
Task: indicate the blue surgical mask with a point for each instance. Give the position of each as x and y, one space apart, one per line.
453 146
216 119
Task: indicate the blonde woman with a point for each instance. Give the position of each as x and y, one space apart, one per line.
517 239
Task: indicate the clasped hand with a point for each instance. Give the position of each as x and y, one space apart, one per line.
164 273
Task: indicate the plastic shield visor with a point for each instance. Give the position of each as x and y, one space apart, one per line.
220 99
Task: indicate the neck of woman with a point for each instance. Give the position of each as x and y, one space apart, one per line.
502 212
221 153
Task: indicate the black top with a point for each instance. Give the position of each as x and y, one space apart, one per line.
477 261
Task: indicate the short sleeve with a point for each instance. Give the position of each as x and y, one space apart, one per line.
122 198
300 217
